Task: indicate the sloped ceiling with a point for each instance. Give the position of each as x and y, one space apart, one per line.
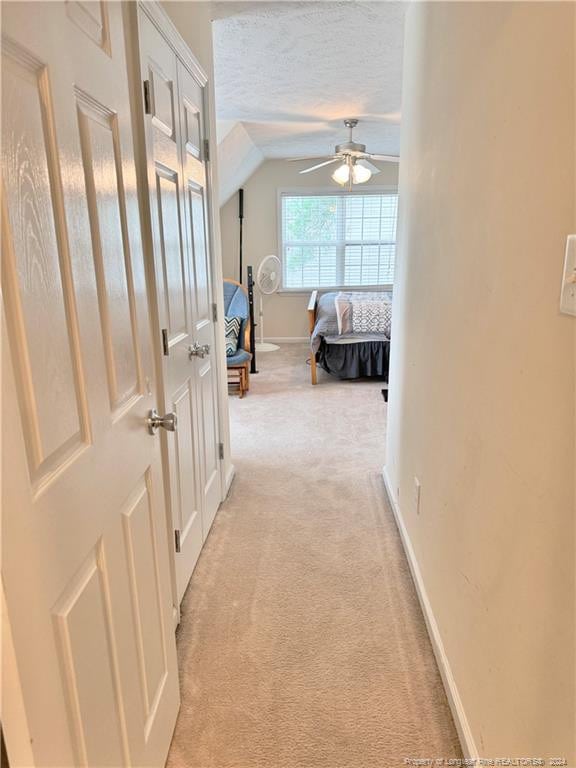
238 158
291 71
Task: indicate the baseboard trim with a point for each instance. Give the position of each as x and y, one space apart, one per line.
458 713
287 339
228 481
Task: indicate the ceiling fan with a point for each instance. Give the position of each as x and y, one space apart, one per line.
355 166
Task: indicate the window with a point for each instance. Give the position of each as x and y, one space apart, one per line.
338 240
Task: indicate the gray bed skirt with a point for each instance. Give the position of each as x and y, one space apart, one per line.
355 361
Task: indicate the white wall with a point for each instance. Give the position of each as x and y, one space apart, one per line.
482 397
285 314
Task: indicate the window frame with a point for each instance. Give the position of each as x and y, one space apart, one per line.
382 189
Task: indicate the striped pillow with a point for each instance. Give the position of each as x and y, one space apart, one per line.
232 329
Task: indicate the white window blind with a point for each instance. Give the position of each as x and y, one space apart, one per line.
338 240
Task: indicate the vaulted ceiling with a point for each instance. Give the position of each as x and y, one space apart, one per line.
290 72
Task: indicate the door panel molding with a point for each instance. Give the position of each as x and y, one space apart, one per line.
102 162
175 279
157 15
162 101
139 536
91 584
38 259
95 27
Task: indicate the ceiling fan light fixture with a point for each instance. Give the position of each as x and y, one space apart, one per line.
342 174
360 174
355 166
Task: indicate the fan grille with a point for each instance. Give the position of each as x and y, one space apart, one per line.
269 274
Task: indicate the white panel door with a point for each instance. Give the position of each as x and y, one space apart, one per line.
174 292
196 225
85 559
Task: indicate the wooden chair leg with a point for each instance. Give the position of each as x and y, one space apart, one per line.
313 370
243 373
312 306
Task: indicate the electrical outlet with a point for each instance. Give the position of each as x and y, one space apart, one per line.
568 295
417 489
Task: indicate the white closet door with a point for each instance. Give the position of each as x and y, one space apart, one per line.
182 268
173 268
85 559
203 324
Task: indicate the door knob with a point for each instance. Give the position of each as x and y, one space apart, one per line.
198 350
168 422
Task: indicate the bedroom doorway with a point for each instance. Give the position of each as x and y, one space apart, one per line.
305 551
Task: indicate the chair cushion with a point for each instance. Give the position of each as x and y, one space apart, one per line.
232 327
239 358
235 301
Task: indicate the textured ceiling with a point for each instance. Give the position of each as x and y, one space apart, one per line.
291 71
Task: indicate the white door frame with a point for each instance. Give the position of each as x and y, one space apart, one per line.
164 25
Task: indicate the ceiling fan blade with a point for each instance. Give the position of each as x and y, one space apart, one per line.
384 158
305 157
320 165
368 164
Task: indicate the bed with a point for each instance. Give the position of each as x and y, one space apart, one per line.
350 334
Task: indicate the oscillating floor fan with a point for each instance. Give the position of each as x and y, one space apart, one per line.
268 281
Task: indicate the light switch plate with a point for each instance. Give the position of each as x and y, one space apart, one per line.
568 295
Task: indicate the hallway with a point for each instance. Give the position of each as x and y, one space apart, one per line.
302 643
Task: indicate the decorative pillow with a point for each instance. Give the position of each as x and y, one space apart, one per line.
343 313
232 329
371 316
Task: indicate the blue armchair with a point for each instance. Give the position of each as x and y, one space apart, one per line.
236 305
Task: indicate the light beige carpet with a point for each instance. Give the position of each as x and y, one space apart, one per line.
302 644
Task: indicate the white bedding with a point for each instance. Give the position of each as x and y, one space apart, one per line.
341 330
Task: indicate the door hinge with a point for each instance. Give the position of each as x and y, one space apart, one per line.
215 312
147 104
165 346
206 150
220 451
177 540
